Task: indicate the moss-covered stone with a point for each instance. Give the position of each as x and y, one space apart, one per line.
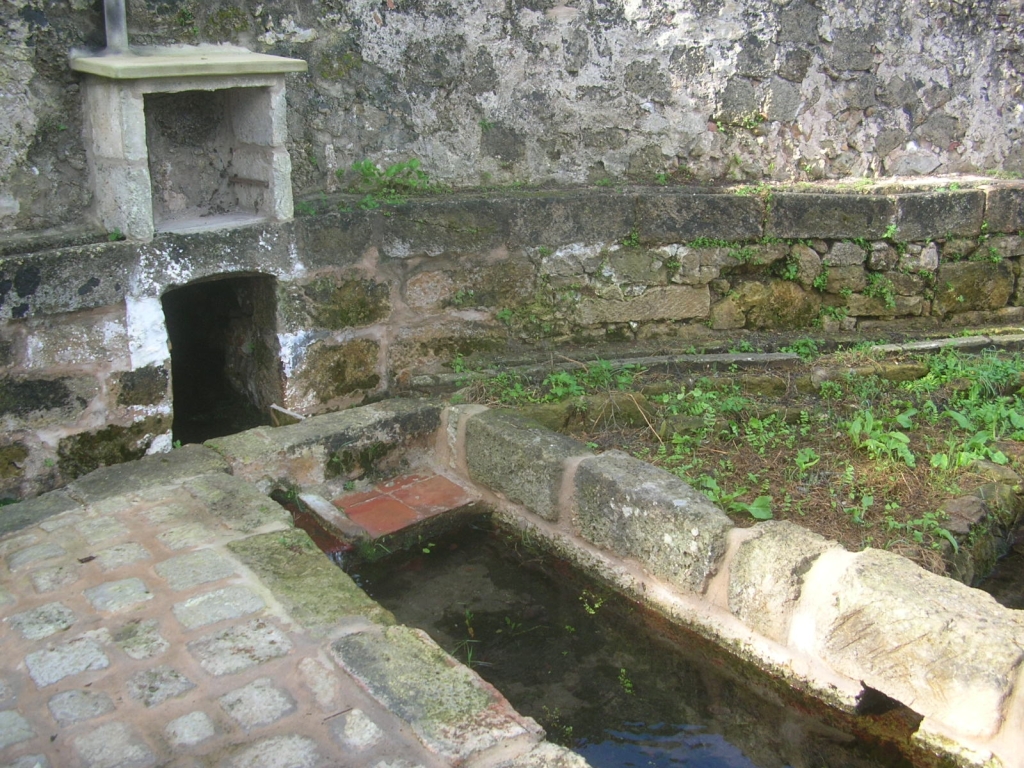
11 461
82 453
334 371
348 304
225 23
972 285
314 591
357 462
145 386
777 304
19 397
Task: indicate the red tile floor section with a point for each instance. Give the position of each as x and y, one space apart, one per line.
400 502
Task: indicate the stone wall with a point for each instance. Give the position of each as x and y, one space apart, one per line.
366 300
495 92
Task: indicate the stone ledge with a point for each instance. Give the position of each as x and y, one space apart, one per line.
638 511
519 459
171 468
949 652
309 452
450 708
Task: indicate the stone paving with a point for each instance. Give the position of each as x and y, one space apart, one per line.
178 618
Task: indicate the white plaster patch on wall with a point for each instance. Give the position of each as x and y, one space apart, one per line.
161 444
293 349
298 268
157 269
147 334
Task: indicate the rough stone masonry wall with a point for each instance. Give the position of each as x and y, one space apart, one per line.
367 299
527 91
836 623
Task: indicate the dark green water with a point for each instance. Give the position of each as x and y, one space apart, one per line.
592 670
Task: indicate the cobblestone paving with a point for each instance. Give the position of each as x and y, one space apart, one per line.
132 637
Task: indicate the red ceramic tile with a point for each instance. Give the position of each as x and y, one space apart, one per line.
381 515
393 484
432 496
351 499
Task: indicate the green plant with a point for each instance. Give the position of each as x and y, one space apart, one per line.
870 435
820 282
115 234
388 185
305 208
880 287
625 683
591 602
806 348
604 182
890 232
632 240
806 458
485 125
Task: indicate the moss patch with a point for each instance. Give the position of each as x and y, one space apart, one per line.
21 397
349 304
335 371
315 592
145 386
11 459
82 453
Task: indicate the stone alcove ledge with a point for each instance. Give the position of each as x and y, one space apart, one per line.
186 138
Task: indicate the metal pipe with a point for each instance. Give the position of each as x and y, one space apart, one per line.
116 20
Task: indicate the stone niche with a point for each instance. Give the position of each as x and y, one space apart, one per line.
187 139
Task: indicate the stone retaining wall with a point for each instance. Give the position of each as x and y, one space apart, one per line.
532 91
366 300
838 624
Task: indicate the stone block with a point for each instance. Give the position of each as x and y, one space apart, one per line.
547 755
291 749
43 621
684 216
145 386
77 340
96 530
113 744
301 450
162 469
155 686
39 400
14 728
240 647
519 459
450 709
35 554
23 514
844 254
972 286
117 596
74 706
121 555
949 652
939 215
671 302
195 568
638 511
229 603
257 704
332 241
435 227
54 577
189 730
766 575
1004 209
801 215
330 371
140 639
356 731
553 219
185 536
51 665
237 504
316 593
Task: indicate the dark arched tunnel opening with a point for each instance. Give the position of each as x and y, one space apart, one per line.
225 358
